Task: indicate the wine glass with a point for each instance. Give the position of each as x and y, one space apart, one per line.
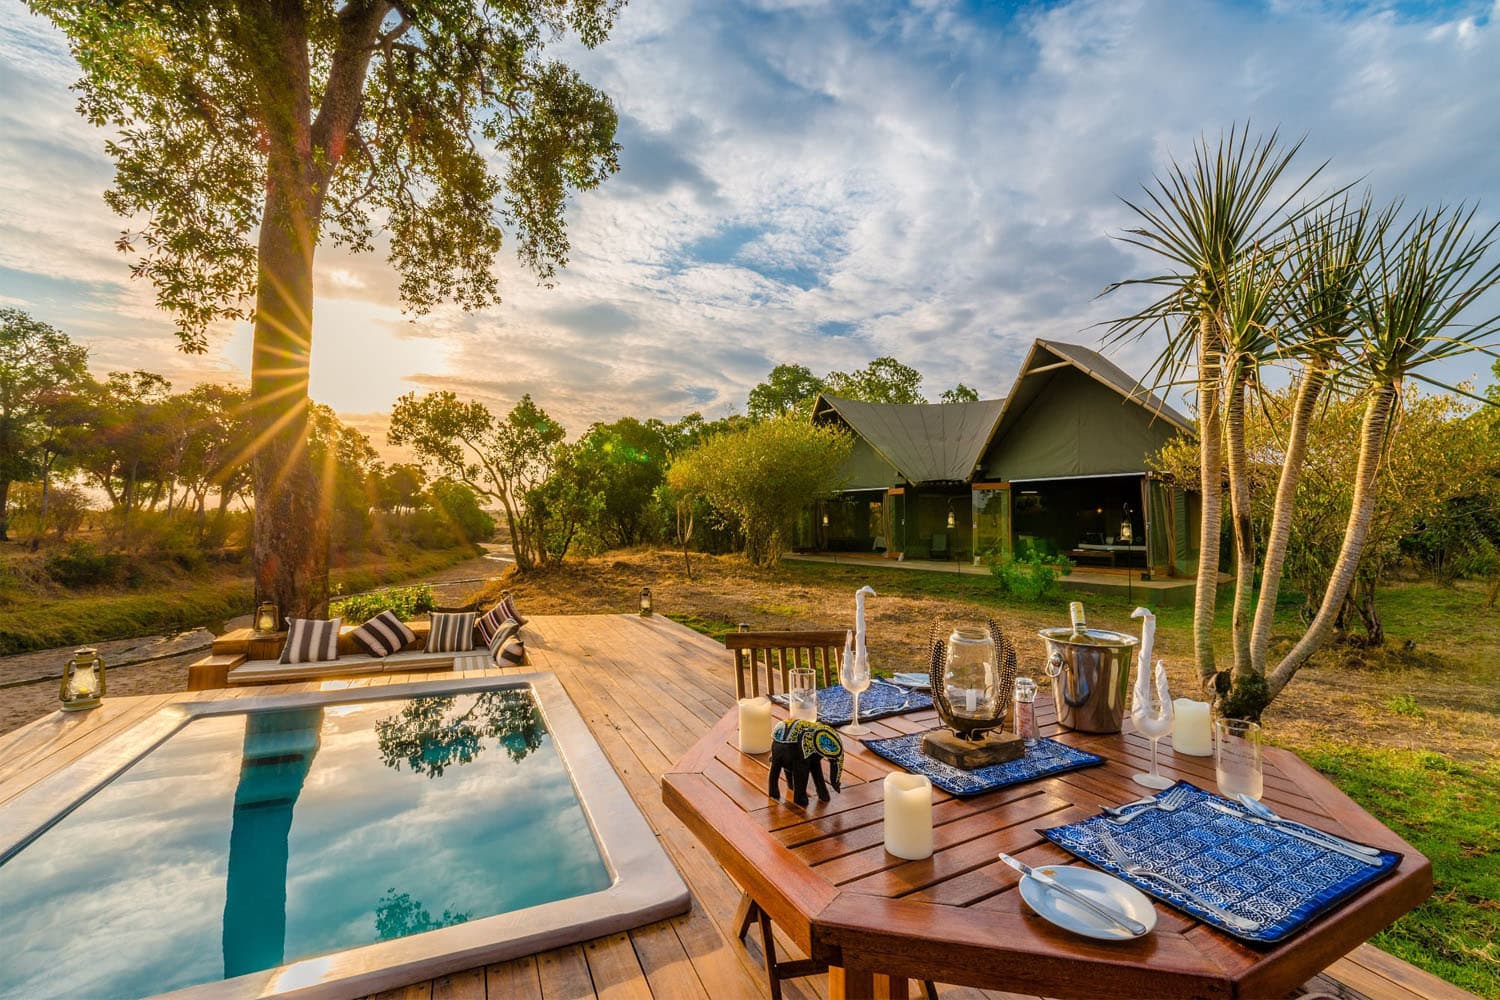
854 675
1153 719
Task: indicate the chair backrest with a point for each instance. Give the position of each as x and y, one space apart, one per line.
776 654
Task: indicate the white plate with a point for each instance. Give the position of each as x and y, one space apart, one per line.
920 682
1106 890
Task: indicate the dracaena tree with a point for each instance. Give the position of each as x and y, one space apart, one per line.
245 133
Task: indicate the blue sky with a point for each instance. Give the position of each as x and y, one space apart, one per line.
812 181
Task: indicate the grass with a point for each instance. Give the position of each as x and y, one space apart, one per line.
1449 811
178 602
1411 733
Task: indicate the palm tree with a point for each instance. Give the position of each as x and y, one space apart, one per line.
1205 221
1421 279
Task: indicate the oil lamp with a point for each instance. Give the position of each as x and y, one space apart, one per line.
82 681
645 602
267 618
1127 530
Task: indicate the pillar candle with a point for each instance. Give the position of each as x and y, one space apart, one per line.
755 725
908 816
1192 733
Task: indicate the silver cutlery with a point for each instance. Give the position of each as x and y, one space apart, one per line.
1292 831
904 690
1122 860
1265 812
1042 877
1170 802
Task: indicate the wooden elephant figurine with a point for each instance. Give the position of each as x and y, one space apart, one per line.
800 747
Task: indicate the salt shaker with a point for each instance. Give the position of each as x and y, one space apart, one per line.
1026 709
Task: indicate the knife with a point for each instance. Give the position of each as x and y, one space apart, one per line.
1292 831
1044 877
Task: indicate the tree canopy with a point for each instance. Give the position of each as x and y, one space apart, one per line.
38 363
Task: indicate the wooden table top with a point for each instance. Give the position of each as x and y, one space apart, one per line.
824 877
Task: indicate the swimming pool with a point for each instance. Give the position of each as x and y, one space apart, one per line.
331 843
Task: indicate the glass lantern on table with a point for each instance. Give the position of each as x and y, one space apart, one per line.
82 681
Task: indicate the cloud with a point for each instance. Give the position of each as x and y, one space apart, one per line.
825 182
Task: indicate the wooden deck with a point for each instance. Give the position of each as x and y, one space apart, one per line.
648 688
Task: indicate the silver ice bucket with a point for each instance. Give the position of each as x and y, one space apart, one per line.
1090 677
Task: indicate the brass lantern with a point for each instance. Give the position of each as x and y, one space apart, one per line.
82 681
1127 530
973 674
267 618
645 602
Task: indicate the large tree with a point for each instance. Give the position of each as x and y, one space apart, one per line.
36 360
248 132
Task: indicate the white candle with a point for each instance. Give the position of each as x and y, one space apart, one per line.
1192 733
908 816
755 725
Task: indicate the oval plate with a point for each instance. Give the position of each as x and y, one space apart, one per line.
919 682
1107 890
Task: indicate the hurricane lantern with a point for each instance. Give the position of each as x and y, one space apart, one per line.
1127 530
952 521
82 681
645 602
973 675
267 618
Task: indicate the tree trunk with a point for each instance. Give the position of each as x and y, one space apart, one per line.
1309 393
1206 593
1239 507
4 510
1377 421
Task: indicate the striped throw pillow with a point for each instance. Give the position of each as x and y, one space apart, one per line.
383 635
507 606
310 640
492 622
497 640
511 652
452 632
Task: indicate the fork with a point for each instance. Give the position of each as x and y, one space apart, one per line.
1122 861
1170 802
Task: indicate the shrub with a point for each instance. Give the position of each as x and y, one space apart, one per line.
81 564
1032 579
407 602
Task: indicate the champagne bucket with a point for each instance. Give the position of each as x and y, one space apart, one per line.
1090 677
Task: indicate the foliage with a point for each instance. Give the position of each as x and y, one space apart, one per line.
430 735
787 389
81 564
406 602
763 474
458 507
399 487
884 380
621 463
1031 578
961 394
505 460
397 915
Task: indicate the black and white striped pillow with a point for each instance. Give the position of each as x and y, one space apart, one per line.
383 635
510 653
451 632
507 607
310 640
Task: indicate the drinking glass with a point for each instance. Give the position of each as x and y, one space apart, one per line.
802 694
854 675
1026 726
1237 758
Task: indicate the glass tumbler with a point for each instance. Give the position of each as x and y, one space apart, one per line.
1237 758
1026 726
802 694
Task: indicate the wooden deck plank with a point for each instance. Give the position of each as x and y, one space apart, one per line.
650 688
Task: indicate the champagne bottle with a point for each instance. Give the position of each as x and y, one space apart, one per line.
1080 627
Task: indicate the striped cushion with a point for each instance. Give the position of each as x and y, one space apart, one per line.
507 606
310 640
451 632
512 652
383 635
497 640
492 622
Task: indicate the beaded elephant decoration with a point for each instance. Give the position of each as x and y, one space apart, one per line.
799 747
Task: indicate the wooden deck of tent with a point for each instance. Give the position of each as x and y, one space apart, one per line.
648 688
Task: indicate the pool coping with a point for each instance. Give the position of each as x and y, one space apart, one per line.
645 885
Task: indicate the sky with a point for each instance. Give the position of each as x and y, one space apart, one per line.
811 182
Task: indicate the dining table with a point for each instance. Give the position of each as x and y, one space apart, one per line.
878 922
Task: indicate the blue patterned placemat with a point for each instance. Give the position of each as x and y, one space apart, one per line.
1043 759
1255 872
836 706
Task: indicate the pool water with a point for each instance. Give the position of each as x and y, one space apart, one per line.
248 841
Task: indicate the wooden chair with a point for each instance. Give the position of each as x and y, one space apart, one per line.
775 655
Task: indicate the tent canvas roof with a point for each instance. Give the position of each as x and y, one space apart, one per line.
1117 378
925 442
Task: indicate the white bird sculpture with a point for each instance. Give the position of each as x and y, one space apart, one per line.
861 654
855 672
1152 720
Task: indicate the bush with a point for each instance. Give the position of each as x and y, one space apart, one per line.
407 602
459 506
1032 579
81 564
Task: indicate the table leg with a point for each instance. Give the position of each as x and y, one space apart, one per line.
860 984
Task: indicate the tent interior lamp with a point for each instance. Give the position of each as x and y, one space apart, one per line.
1127 530
82 681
